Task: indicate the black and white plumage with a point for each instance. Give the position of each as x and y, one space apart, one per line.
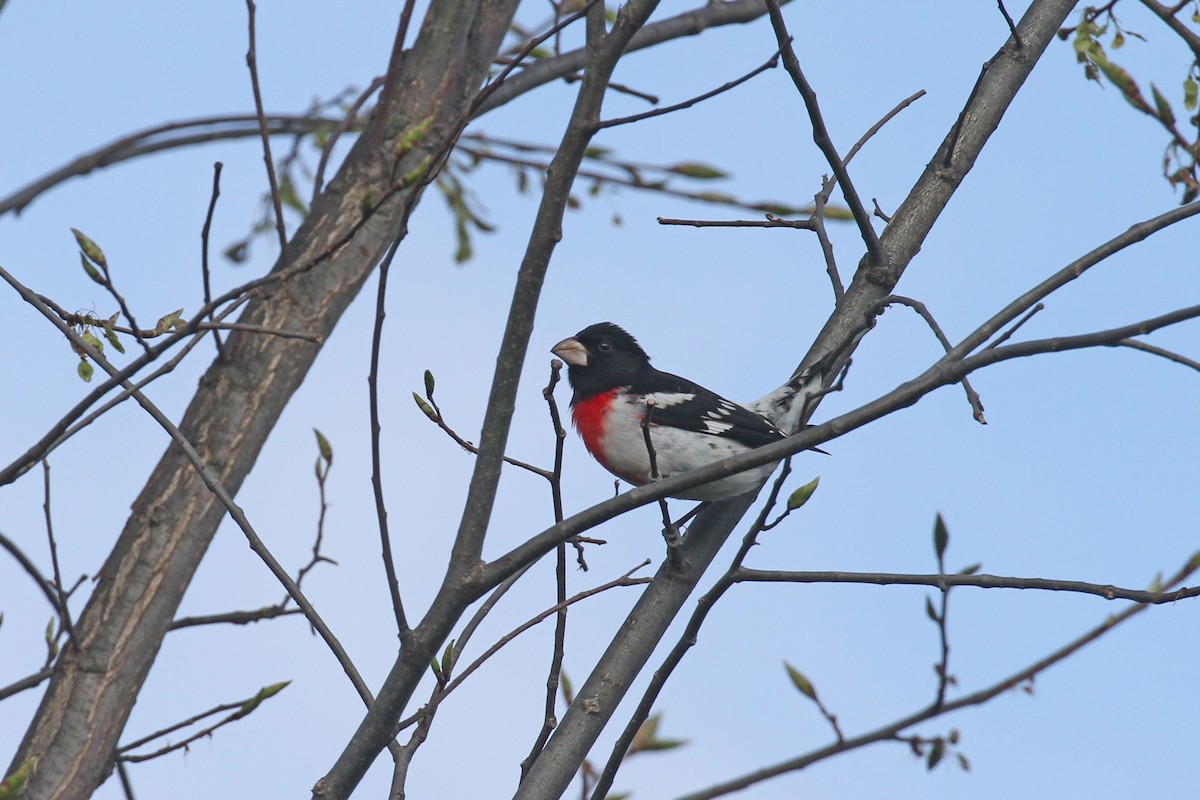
615 387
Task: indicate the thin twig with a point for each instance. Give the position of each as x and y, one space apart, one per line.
240 710
1016 326
208 218
943 582
48 588
438 419
771 63
770 222
670 532
821 135
821 199
549 720
884 120
492 85
211 481
624 580
891 731
64 611
234 617
252 64
1012 26
921 309
1159 351
344 124
123 777
28 682
389 564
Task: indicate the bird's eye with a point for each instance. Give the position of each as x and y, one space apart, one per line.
604 346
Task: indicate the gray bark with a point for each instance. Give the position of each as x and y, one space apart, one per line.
118 635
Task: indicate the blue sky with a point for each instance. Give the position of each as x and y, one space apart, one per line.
1086 470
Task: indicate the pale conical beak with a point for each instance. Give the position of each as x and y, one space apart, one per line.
571 351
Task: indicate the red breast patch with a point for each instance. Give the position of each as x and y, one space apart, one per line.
589 417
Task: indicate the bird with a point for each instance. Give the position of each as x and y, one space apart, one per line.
615 388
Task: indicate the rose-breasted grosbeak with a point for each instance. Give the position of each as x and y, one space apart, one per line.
615 387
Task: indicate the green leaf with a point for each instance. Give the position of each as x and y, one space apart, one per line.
1118 41
717 197
568 690
1190 91
168 321
15 782
411 137
941 536
647 740
91 339
437 670
779 209
801 683
696 171
90 249
426 409
801 495
85 370
935 754
930 611
1165 113
429 384
238 251
417 172
263 694
1123 81
448 657
971 570
111 335
324 447
91 271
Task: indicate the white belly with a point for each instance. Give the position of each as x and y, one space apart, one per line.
675 451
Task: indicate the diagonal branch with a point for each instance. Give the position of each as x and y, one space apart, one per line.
821 135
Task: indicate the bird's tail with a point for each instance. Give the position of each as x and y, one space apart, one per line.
786 406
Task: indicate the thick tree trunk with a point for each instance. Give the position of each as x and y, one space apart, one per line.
118 635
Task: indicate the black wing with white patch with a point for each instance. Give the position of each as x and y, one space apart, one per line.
679 403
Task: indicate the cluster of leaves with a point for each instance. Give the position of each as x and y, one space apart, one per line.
1181 161
95 265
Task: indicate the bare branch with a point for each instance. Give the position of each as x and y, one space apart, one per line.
235 511
892 730
923 311
64 611
821 135
208 218
1162 352
28 682
771 63
234 617
389 564
47 587
770 222
943 582
252 65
